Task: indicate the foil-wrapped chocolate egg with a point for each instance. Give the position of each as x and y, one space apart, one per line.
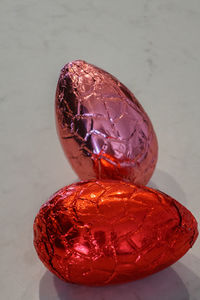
103 232
103 129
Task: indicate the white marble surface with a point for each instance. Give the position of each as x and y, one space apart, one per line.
151 46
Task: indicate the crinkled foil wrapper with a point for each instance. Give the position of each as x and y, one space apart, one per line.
104 232
104 131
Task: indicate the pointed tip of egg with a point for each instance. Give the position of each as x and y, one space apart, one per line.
73 67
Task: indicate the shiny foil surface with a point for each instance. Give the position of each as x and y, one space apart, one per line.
103 129
104 232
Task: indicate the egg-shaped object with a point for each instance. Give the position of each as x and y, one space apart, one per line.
103 232
104 131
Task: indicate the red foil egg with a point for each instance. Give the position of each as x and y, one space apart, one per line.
103 232
103 129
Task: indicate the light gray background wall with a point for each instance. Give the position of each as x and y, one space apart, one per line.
153 47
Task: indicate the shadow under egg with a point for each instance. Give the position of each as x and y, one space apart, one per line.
165 285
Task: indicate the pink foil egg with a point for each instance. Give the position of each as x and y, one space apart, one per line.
103 129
